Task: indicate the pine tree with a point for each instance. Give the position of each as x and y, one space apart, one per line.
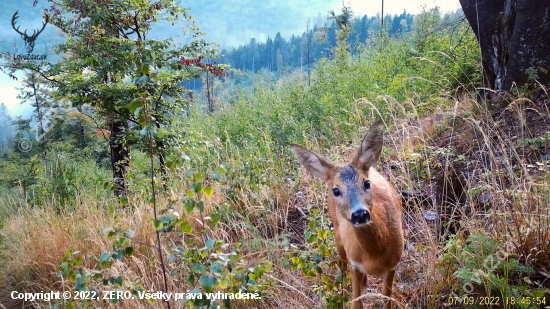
5 127
36 93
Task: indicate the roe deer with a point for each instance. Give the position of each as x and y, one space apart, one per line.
366 212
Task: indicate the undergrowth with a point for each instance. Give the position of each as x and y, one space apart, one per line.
238 215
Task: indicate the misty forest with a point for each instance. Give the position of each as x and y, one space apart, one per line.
160 154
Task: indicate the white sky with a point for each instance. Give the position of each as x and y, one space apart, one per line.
8 93
371 7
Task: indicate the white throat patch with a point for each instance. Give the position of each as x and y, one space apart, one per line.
358 266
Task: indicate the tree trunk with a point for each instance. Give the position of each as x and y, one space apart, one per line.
514 36
208 97
81 129
308 70
161 151
119 154
162 162
382 20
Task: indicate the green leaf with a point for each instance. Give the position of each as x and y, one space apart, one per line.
135 105
186 227
129 234
145 69
200 206
122 241
317 258
198 268
208 191
215 219
210 243
199 177
197 187
207 283
195 291
161 132
217 176
71 275
123 200
222 284
189 205
129 251
324 250
119 254
117 280
77 261
104 257
143 80
322 234
227 303
215 268
157 224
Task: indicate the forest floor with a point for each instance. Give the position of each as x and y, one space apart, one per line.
475 145
497 159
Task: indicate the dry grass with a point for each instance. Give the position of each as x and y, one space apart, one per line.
517 209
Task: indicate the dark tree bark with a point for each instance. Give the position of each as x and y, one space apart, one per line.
162 162
159 144
119 153
208 96
514 36
81 129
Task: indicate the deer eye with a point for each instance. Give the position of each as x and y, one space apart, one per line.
366 184
336 192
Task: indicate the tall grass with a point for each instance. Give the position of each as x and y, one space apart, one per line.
422 87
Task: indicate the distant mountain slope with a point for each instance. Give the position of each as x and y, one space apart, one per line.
226 22
278 53
235 22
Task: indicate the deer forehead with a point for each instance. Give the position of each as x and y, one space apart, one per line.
348 176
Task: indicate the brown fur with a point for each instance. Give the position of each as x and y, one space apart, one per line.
374 248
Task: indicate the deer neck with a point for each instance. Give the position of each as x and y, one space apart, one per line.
374 236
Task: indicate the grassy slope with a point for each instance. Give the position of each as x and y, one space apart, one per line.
429 125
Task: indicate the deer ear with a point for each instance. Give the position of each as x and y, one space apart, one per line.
370 148
315 164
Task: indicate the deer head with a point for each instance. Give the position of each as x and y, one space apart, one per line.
350 184
29 40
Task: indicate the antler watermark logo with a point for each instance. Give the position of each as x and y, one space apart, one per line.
40 130
29 39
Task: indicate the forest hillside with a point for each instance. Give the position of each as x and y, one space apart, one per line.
124 180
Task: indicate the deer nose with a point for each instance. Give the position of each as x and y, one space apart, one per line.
360 216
